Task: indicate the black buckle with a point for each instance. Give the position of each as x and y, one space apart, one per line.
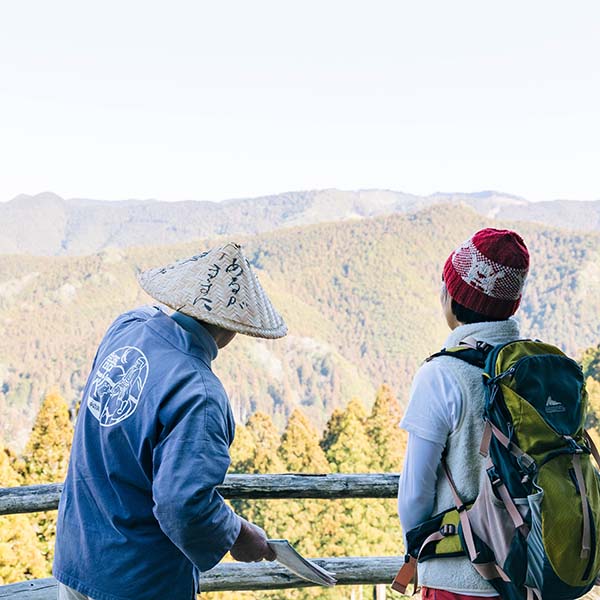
494 477
448 529
574 446
526 464
483 346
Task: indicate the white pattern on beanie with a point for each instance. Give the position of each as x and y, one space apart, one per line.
491 278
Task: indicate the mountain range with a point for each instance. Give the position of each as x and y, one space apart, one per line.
360 296
46 224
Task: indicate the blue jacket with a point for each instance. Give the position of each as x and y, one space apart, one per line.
139 512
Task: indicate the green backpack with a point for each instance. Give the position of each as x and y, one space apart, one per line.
533 530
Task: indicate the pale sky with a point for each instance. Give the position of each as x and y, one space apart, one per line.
210 100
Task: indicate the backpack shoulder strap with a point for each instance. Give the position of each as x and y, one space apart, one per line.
469 350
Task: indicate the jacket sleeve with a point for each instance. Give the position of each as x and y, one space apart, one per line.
416 487
190 460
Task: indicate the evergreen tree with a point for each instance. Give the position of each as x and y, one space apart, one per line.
242 451
46 454
45 461
300 451
266 444
258 450
255 451
347 445
258 453
350 527
388 440
300 520
331 429
8 476
20 556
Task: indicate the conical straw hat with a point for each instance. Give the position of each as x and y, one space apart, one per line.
218 287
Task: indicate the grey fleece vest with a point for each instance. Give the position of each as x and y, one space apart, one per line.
462 456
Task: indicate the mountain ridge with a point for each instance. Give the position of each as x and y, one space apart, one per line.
48 225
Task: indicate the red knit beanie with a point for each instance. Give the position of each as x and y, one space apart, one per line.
486 273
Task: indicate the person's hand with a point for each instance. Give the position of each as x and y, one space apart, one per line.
251 544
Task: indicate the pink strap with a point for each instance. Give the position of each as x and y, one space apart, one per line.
437 536
511 447
512 509
509 504
406 574
470 341
491 571
486 570
486 438
462 514
586 538
533 594
501 437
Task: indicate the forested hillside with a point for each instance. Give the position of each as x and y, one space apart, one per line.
360 299
47 224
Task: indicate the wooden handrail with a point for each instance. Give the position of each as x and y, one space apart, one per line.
34 498
252 576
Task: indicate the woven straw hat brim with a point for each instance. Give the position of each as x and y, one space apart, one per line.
217 287
271 334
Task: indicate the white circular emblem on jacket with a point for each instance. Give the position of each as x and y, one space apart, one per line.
117 385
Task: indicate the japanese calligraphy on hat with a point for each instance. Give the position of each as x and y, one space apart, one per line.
219 287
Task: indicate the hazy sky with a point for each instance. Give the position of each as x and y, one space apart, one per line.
210 100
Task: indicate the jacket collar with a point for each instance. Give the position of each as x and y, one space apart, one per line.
185 334
200 336
492 332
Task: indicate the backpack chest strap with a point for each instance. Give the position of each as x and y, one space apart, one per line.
469 350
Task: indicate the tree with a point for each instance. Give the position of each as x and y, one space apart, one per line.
258 449
300 451
346 443
388 440
332 429
46 454
242 451
45 461
350 527
258 453
20 556
266 440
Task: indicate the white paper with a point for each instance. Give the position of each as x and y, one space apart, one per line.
297 564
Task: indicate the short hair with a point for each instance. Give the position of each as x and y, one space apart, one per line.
466 315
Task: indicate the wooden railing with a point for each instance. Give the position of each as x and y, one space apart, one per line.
240 576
